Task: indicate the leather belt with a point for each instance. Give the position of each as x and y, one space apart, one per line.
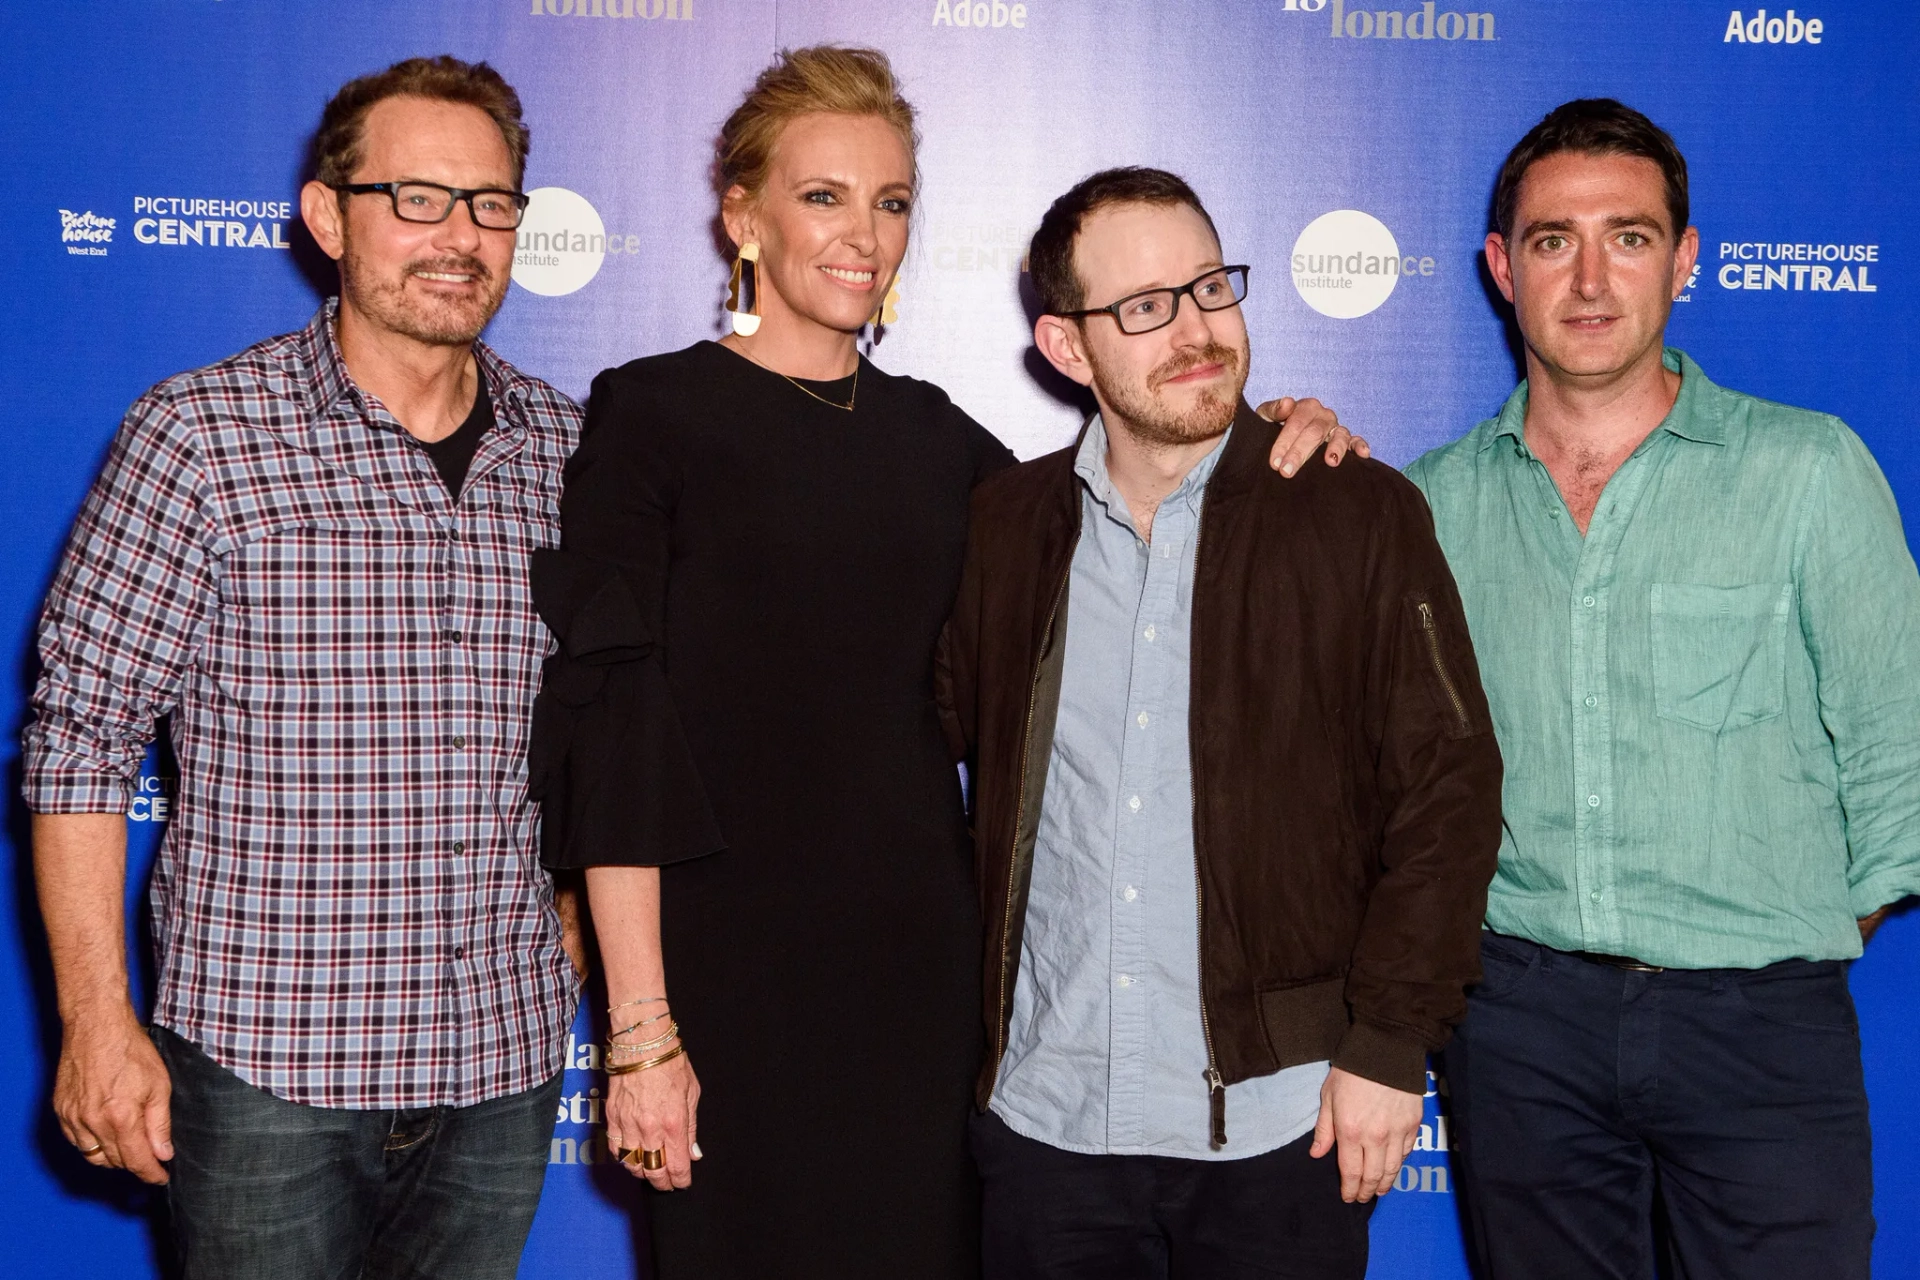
1618 962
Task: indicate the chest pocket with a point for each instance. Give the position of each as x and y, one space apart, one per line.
1720 653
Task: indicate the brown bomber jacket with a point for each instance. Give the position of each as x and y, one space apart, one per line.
1346 780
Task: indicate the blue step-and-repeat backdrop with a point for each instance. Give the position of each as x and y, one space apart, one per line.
153 154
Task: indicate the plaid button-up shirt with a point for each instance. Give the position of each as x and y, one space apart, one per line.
349 908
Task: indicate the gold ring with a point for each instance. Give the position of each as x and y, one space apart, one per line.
93 1150
655 1158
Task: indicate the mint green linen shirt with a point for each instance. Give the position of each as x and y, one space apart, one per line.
1709 706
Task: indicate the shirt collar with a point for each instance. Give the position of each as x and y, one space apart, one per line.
1697 413
1090 464
328 381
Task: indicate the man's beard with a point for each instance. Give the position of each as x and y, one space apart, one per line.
441 322
1153 422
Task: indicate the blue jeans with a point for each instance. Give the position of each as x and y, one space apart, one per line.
1590 1102
265 1189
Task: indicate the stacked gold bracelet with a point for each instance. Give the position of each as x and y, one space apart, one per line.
615 1048
628 1068
645 1046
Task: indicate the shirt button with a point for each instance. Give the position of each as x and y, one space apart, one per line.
1124 980
1148 633
1129 893
1133 803
459 953
1593 802
455 637
1141 719
459 846
1595 895
459 741
1587 601
1592 701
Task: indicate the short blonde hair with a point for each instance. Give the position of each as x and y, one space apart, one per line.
836 79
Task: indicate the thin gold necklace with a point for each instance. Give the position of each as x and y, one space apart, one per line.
852 393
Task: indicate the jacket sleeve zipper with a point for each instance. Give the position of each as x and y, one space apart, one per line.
1216 1087
1440 667
1019 807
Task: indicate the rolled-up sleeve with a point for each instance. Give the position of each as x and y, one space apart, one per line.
1860 615
124 619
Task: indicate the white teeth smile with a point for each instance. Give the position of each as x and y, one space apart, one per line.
851 277
448 276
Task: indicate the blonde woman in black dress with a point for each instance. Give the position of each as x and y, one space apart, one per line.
738 740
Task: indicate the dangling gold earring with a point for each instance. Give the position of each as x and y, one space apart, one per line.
886 313
743 294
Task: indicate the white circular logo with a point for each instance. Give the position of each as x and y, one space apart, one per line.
1346 263
561 243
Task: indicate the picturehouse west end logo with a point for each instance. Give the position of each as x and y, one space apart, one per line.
85 235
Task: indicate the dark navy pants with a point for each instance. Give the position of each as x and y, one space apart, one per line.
265 1189
1591 1103
1050 1214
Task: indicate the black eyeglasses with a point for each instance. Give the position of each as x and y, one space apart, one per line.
1152 309
489 207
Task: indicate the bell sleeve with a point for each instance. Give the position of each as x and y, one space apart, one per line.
609 761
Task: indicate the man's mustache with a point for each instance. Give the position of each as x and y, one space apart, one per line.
1186 362
456 265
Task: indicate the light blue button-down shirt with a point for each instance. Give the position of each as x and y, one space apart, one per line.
1106 1054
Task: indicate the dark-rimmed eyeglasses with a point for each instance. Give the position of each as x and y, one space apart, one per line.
490 207
1152 309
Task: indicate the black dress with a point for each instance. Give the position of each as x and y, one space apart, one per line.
750 590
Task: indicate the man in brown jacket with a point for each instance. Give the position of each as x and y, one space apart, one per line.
1235 819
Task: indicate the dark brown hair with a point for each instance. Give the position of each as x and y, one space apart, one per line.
1595 127
336 147
1050 257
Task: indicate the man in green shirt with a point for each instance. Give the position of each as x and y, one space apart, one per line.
1699 629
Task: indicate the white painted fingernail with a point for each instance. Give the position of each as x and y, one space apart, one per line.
696 1151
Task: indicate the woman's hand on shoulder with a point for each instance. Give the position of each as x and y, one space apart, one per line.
1305 425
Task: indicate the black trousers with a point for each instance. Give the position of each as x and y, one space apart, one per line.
1602 1116
1059 1215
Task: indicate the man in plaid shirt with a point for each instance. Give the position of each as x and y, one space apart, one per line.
313 557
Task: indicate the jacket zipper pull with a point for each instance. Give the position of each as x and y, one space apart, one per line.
1217 1106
